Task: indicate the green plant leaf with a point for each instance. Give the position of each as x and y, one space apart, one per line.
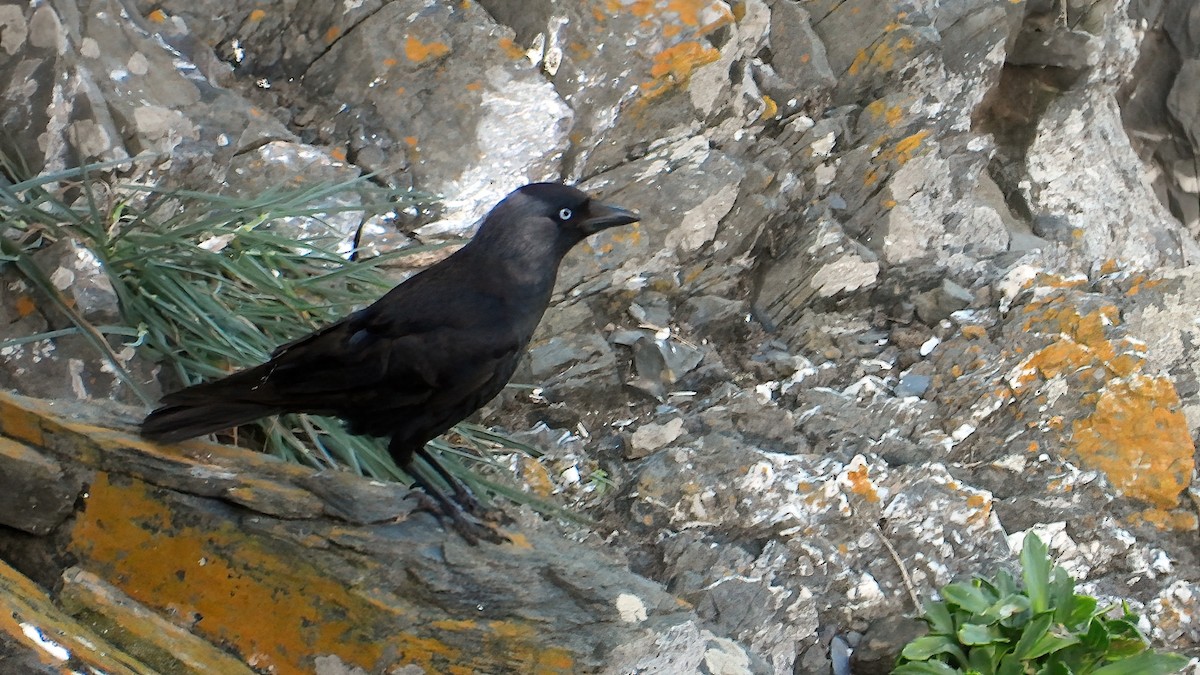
977 634
1008 606
968 597
926 668
1005 584
1051 641
1010 665
983 660
1034 631
1035 570
1095 639
1054 668
1145 663
1078 612
928 646
938 616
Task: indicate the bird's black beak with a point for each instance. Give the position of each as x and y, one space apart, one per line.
603 216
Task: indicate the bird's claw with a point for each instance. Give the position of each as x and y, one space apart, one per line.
472 527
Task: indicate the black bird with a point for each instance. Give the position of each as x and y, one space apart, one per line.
423 357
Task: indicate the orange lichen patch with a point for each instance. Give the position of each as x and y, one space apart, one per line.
418 51
200 565
536 477
882 58
974 332
579 51
157 16
770 108
674 66
19 423
518 540
859 479
1139 437
888 203
257 15
671 30
907 146
338 154
1141 283
475 86
410 141
629 236
25 605
860 60
511 48
210 570
390 62
332 34
25 306
1162 519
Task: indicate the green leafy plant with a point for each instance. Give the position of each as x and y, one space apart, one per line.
998 627
211 283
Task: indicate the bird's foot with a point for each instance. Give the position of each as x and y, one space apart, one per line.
470 526
466 499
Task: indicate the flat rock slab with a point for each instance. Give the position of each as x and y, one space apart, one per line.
235 550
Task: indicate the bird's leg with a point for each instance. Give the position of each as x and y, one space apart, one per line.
464 524
462 494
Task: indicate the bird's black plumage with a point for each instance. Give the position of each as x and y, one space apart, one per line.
427 354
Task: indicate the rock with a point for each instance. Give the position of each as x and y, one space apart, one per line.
881 644
911 384
35 495
651 437
962 233
939 303
142 501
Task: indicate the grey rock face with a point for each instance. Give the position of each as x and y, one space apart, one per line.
911 279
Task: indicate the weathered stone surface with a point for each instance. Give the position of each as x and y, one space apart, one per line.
172 540
35 495
912 279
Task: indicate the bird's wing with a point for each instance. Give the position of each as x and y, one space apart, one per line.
374 359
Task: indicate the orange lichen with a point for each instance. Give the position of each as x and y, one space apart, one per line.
907 146
25 306
860 483
257 15
332 34
1139 437
18 423
974 332
511 48
1163 519
417 51
157 16
770 109
674 66
205 568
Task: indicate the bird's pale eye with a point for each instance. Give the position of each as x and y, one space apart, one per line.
564 214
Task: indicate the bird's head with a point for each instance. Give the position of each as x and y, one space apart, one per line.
541 218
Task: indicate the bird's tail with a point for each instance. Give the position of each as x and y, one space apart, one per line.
172 423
